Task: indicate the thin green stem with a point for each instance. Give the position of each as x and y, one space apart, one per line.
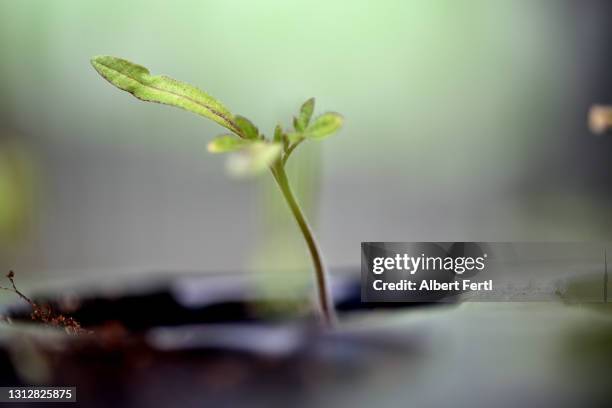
323 292
290 150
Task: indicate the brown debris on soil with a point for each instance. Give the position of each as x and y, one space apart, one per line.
45 313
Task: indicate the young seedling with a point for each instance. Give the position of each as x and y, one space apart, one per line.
252 152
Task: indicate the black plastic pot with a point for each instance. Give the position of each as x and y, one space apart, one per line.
192 341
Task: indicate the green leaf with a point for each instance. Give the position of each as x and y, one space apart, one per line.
253 159
226 143
138 81
305 114
278 133
325 125
294 137
249 130
296 125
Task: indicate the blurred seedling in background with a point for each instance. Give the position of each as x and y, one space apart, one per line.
18 186
600 119
251 152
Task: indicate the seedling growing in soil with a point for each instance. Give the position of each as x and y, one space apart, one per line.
252 152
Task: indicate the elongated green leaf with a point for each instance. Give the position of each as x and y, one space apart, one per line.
249 130
325 125
306 111
253 159
226 143
138 81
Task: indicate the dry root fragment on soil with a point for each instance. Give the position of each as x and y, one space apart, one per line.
45 313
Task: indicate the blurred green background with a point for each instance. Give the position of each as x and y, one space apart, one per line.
465 120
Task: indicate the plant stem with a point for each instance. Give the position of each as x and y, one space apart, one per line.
325 300
290 150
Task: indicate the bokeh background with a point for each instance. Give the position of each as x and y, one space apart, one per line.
465 120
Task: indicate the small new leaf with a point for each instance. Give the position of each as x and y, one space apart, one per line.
278 133
324 126
297 126
249 130
138 81
226 143
253 159
306 111
294 137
